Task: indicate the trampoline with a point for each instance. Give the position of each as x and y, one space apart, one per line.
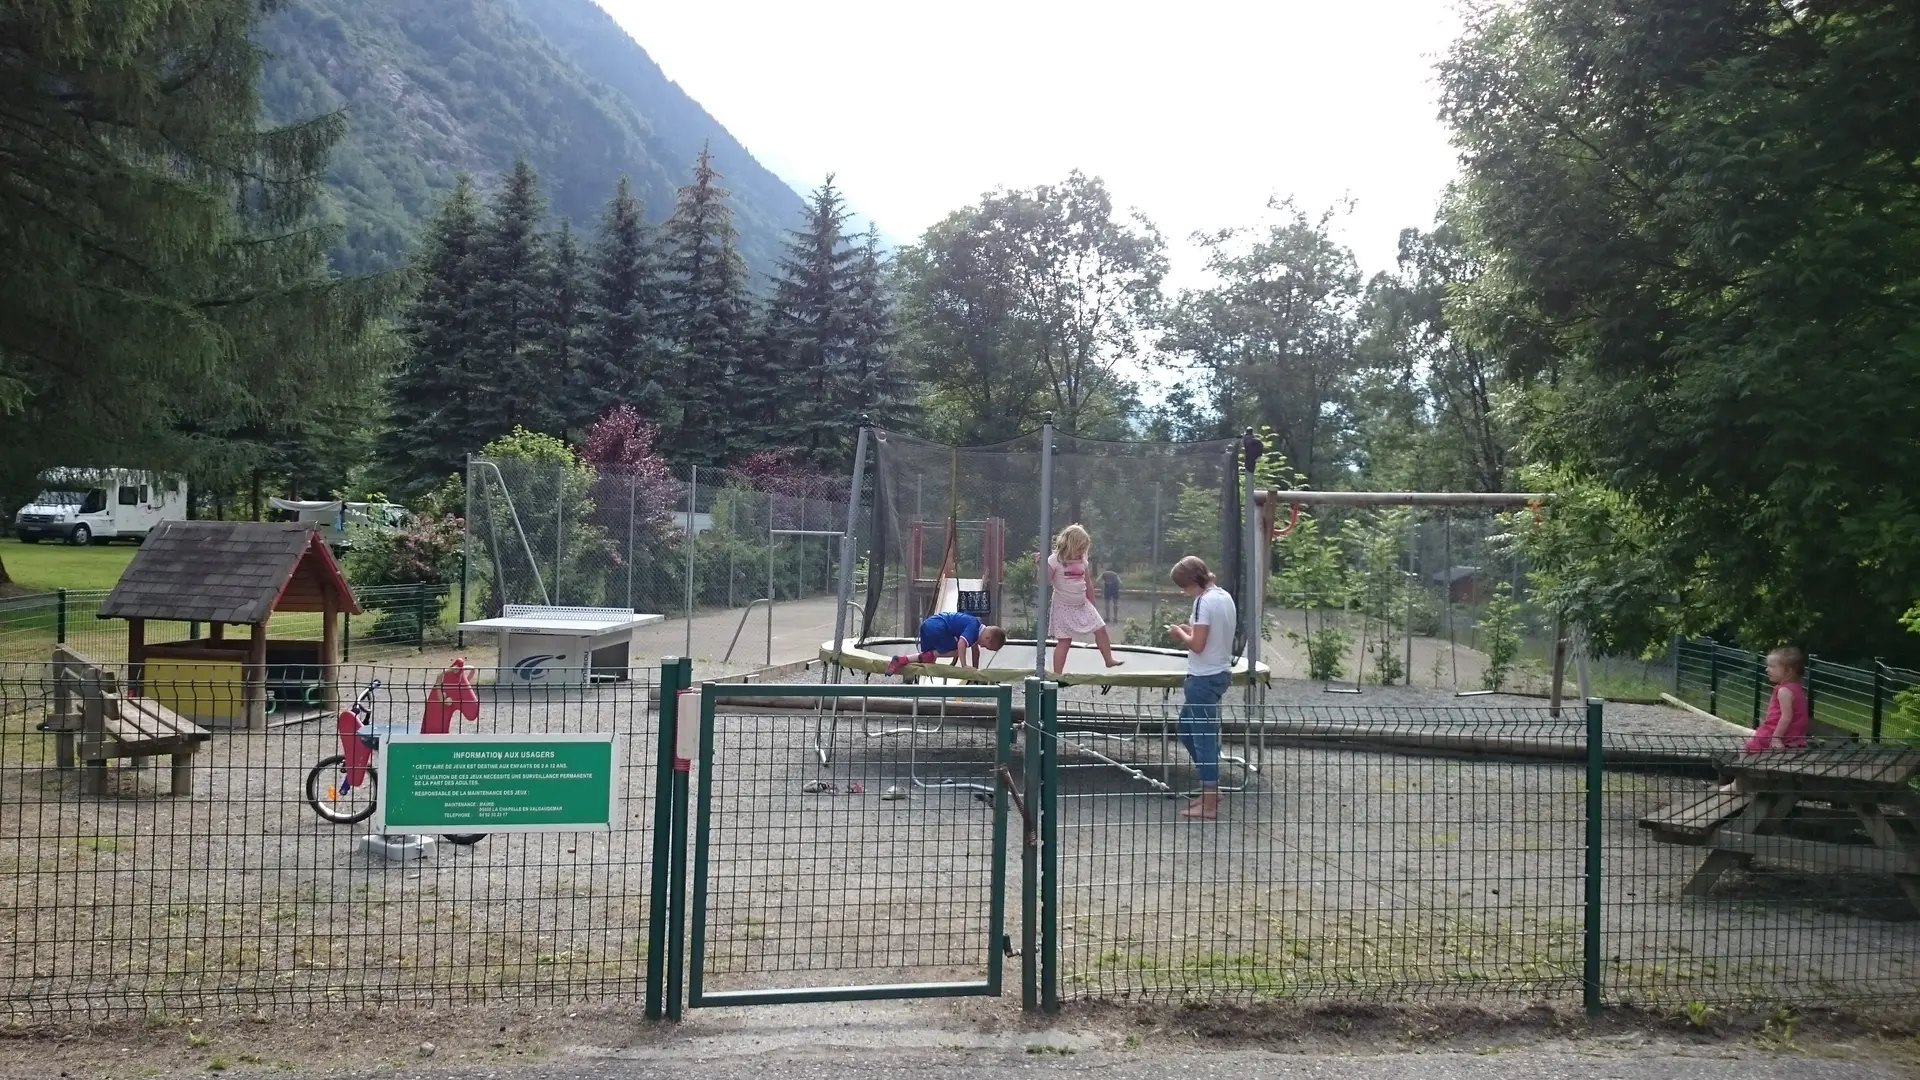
1145 667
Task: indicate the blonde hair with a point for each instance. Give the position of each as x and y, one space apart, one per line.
1192 570
1791 658
1072 538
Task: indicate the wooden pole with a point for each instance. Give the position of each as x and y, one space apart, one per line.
329 649
136 657
254 691
216 631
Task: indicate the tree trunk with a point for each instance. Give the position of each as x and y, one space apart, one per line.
4 579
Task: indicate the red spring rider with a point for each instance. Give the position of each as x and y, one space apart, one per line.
452 695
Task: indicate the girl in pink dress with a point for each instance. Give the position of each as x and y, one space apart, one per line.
1787 715
1073 613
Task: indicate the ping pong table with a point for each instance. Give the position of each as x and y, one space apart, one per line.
563 645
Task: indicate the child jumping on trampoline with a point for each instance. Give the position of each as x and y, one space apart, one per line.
1787 714
950 633
1073 613
1209 642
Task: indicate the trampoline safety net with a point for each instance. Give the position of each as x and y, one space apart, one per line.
960 526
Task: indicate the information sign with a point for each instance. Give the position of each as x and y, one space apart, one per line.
498 783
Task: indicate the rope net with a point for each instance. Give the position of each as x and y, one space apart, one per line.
1145 504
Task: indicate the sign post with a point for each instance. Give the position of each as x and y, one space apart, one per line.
499 783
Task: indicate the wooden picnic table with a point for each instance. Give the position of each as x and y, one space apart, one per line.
1826 809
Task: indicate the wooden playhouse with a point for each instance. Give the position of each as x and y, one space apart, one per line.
212 575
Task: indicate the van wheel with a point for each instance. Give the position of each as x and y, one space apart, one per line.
82 536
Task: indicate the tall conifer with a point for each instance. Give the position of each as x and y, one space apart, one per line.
433 408
798 387
619 355
558 360
704 312
511 280
876 385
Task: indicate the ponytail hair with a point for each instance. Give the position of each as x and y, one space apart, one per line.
1192 570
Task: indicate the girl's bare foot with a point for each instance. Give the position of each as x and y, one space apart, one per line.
1111 662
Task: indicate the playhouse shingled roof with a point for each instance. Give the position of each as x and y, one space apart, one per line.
228 572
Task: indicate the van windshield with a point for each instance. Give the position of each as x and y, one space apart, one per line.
86 502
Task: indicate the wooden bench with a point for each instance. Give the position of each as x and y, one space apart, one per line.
1694 821
94 722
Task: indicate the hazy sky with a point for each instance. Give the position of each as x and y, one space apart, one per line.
1194 113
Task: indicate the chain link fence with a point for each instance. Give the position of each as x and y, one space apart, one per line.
744 569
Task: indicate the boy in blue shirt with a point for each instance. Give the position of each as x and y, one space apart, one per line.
950 633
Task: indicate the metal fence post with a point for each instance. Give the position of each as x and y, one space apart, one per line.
1029 854
420 594
1713 681
466 547
346 637
673 679
1047 807
695 964
60 617
1879 695
1596 780
693 498
1759 680
1044 579
1809 687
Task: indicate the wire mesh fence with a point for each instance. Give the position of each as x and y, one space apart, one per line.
1394 854
1879 702
745 568
396 620
127 892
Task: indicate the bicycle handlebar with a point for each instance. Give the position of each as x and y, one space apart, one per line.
360 703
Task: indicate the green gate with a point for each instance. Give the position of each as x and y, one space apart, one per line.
854 851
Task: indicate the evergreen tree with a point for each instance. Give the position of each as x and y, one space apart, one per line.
876 386
800 387
164 274
511 282
560 347
433 400
619 354
704 313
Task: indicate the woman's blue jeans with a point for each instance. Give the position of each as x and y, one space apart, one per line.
1200 724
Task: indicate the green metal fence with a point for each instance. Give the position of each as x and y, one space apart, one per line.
814 842
1878 702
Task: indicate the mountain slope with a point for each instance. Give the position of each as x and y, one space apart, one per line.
436 87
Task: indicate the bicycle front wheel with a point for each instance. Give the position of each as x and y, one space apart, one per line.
467 839
333 800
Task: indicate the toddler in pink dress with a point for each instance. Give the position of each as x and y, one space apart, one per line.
1787 714
1073 612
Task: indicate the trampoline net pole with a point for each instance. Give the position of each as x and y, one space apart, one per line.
845 591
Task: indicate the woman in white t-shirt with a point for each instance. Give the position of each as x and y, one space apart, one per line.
1209 641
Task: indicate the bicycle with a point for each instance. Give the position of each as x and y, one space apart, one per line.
344 788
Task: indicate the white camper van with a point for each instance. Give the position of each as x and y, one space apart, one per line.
96 506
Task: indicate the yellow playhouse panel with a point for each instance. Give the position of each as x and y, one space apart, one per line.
197 689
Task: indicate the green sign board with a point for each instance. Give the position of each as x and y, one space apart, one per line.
498 783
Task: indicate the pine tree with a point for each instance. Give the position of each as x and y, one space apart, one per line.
559 354
511 280
704 312
807 345
876 383
165 275
432 406
619 356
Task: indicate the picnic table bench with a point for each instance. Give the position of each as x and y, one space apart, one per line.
1826 809
94 722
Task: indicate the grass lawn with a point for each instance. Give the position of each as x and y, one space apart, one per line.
46 566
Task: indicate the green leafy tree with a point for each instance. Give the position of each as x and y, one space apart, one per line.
619 356
434 406
1272 339
704 314
165 280
1030 301
1700 224
557 550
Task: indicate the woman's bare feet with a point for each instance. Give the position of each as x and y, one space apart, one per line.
1204 808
